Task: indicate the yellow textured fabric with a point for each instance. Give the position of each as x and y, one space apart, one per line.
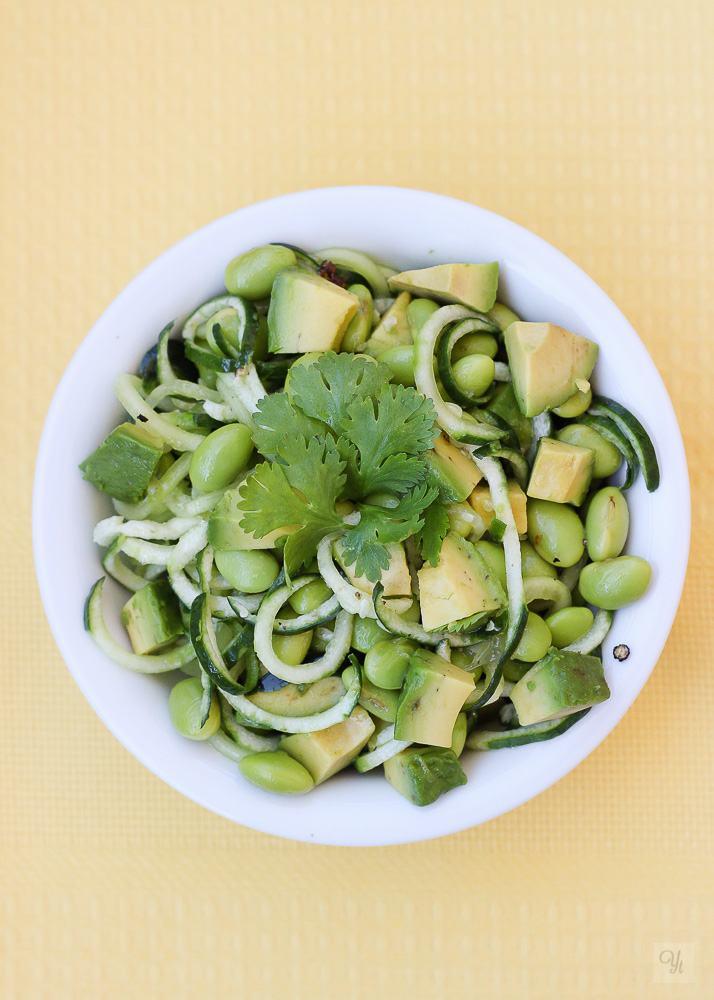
124 127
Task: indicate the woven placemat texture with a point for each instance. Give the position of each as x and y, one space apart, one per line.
125 126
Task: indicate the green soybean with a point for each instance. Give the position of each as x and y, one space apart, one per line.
276 771
569 624
555 531
534 642
613 583
458 736
607 457
418 312
379 702
400 361
474 343
534 565
386 662
185 710
513 670
251 571
360 326
575 405
474 373
494 558
220 457
252 274
502 315
607 524
309 597
366 632
292 649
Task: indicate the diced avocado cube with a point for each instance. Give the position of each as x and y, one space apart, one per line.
392 329
561 472
395 578
152 618
124 462
459 586
432 695
307 313
481 502
328 751
561 683
472 285
226 534
451 470
422 774
546 363
504 404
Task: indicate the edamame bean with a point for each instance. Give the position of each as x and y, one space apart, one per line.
378 701
502 315
386 662
568 624
220 457
366 632
513 670
418 312
360 326
292 649
494 558
555 531
613 583
575 405
251 571
186 712
607 456
400 361
533 565
252 274
534 642
309 597
458 736
474 343
276 771
474 373
607 524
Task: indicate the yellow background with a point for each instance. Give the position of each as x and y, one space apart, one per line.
128 124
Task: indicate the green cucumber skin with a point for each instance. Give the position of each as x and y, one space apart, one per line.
521 736
638 437
222 680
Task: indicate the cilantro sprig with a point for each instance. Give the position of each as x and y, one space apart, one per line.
341 431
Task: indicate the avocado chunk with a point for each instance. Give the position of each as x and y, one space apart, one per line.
547 363
561 472
504 404
422 774
432 695
330 750
560 684
298 700
124 462
451 470
151 617
481 502
472 285
460 585
395 578
307 313
393 328
226 534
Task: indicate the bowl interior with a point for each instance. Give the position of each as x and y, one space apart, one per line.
408 229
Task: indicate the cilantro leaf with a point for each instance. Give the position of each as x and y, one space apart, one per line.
388 437
323 390
303 492
276 418
432 532
364 544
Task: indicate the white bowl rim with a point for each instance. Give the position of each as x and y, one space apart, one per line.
321 825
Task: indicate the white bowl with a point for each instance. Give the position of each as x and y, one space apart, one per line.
408 229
